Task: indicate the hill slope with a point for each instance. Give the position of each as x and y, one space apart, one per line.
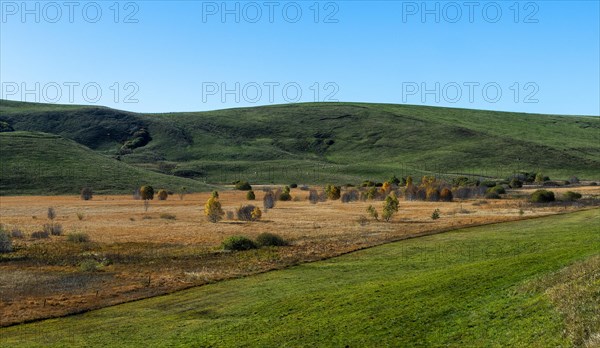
475 291
36 163
320 142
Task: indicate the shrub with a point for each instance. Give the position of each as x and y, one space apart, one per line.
421 194
304 188
373 212
256 214
167 216
542 196
53 229
5 242
238 243
333 192
492 195
230 215
78 237
51 213
40 235
270 239
162 195
573 180
86 193
435 215
215 194
269 200
593 183
285 196
446 195
432 194
313 196
460 181
243 186
80 215
244 213
515 183
213 211
539 178
250 195
367 183
181 192
571 196
488 183
294 185
147 192
499 189
17 233
362 220
89 266
350 196
394 180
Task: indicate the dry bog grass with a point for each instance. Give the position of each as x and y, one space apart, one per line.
135 253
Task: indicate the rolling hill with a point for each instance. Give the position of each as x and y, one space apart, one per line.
322 142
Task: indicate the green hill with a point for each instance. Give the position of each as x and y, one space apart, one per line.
40 163
326 142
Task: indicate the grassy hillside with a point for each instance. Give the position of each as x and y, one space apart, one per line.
487 286
40 163
321 142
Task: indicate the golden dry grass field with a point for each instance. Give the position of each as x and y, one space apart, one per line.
139 254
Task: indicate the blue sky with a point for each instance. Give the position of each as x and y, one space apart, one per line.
160 56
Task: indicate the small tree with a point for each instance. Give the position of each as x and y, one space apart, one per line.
86 193
333 192
539 178
256 214
215 194
373 212
213 211
285 195
435 215
390 207
446 195
243 186
313 196
163 195
542 196
182 192
409 181
269 200
147 192
250 195
386 187
394 180
51 213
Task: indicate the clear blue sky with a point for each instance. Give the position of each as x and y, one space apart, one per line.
179 55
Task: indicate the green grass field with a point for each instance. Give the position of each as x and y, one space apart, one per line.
475 287
327 142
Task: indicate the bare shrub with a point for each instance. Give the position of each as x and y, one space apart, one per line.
5 242
78 237
51 213
350 196
269 200
167 216
230 215
40 235
86 193
53 229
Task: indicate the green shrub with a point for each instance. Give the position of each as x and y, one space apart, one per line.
435 215
238 243
571 196
542 196
243 186
5 242
167 216
78 237
270 239
373 212
499 189
390 207
285 196
89 266
394 180
86 193
488 183
593 183
250 195
515 183
492 195
294 185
